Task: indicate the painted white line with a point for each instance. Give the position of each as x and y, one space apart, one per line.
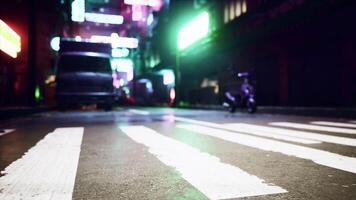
318 156
248 131
313 127
353 121
47 170
245 128
140 112
297 134
338 124
6 131
207 173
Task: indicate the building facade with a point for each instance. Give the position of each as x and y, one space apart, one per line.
301 52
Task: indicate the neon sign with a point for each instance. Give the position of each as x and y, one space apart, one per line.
104 18
120 52
116 41
78 10
152 3
198 28
10 41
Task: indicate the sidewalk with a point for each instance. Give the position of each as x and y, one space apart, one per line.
13 112
303 111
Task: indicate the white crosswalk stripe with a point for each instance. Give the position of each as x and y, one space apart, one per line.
140 112
265 132
337 124
6 131
218 181
253 132
47 170
294 133
313 127
321 157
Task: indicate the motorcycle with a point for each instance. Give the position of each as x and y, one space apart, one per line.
243 98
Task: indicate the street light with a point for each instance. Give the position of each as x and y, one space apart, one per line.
194 31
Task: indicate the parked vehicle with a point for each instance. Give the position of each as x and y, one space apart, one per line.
244 97
84 76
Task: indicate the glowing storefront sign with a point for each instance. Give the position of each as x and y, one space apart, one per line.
78 10
195 30
120 53
10 41
104 18
116 41
137 14
123 65
153 3
168 76
124 42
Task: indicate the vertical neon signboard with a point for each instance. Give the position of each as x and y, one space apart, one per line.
10 41
78 10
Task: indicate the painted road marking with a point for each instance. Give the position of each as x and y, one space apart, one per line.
338 124
313 127
318 156
47 170
6 131
140 112
245 128
217 181
298 134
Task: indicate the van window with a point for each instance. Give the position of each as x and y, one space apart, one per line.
77 63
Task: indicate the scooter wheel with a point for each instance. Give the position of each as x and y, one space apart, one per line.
251 107
232 109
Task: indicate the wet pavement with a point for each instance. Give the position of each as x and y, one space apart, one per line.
164 153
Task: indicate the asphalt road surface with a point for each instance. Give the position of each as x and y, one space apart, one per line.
174 154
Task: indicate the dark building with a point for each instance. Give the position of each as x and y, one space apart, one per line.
36 22
301 52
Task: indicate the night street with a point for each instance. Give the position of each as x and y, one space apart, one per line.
165 153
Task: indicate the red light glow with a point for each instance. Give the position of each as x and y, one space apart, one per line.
172 94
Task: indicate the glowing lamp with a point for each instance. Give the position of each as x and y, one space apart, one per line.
193 31
55 42
10 41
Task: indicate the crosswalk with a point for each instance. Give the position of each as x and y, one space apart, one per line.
218 181
6 131
48 170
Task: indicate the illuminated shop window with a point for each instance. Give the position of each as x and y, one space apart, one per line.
244 6
238 8
232 10
226 14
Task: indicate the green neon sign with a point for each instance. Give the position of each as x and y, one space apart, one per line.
37 93
194 31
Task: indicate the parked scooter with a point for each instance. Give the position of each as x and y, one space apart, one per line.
243 98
